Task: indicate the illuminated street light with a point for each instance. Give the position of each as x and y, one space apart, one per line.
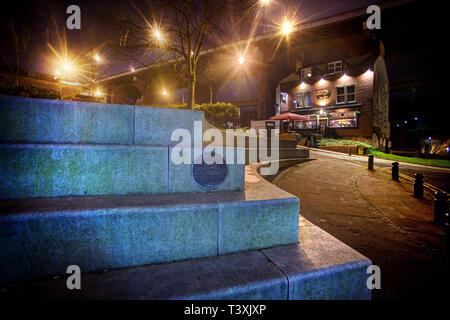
344 77
98 93
157 34
164 93
97 58
321 81
132 69
302 85
264 3
286 27
241 60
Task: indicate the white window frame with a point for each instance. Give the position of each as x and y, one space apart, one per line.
302 93
346 93
332 67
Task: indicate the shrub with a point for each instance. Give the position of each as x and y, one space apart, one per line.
219 114
25 91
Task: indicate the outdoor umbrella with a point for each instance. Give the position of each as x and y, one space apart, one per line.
289 116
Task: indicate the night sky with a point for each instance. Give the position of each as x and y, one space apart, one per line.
47 19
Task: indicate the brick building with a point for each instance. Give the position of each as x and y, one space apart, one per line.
341 84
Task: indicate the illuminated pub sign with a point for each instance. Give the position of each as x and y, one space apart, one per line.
323 94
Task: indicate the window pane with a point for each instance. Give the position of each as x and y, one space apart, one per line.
351 97
340 90
350 89
343 123
340 99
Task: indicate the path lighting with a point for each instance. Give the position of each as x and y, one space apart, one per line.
241 60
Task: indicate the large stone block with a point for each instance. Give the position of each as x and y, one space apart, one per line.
42 244
26 120
257 224
154 126
322 267
28 171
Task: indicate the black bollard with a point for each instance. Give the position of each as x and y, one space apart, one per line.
447 234
395 171
349 151
371 162
418 186
440 207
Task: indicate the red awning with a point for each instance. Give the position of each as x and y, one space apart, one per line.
289 116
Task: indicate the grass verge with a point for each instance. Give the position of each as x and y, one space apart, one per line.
371 150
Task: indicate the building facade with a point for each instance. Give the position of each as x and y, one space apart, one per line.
343 89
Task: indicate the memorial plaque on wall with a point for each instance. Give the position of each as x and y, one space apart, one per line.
210 176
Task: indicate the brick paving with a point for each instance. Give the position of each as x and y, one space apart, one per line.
378 217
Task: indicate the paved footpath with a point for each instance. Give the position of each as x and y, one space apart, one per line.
378 217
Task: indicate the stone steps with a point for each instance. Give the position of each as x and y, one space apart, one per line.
41 237
319 267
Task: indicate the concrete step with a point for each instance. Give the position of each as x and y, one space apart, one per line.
65 170
319 267
28 120
41 237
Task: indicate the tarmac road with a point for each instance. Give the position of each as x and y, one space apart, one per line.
379 218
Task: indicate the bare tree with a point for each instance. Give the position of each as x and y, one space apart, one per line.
174 31
17 48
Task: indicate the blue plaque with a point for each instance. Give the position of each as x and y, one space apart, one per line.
209 176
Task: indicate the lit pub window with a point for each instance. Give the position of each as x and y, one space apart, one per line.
303 99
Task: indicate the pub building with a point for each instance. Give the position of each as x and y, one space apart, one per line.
345 96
